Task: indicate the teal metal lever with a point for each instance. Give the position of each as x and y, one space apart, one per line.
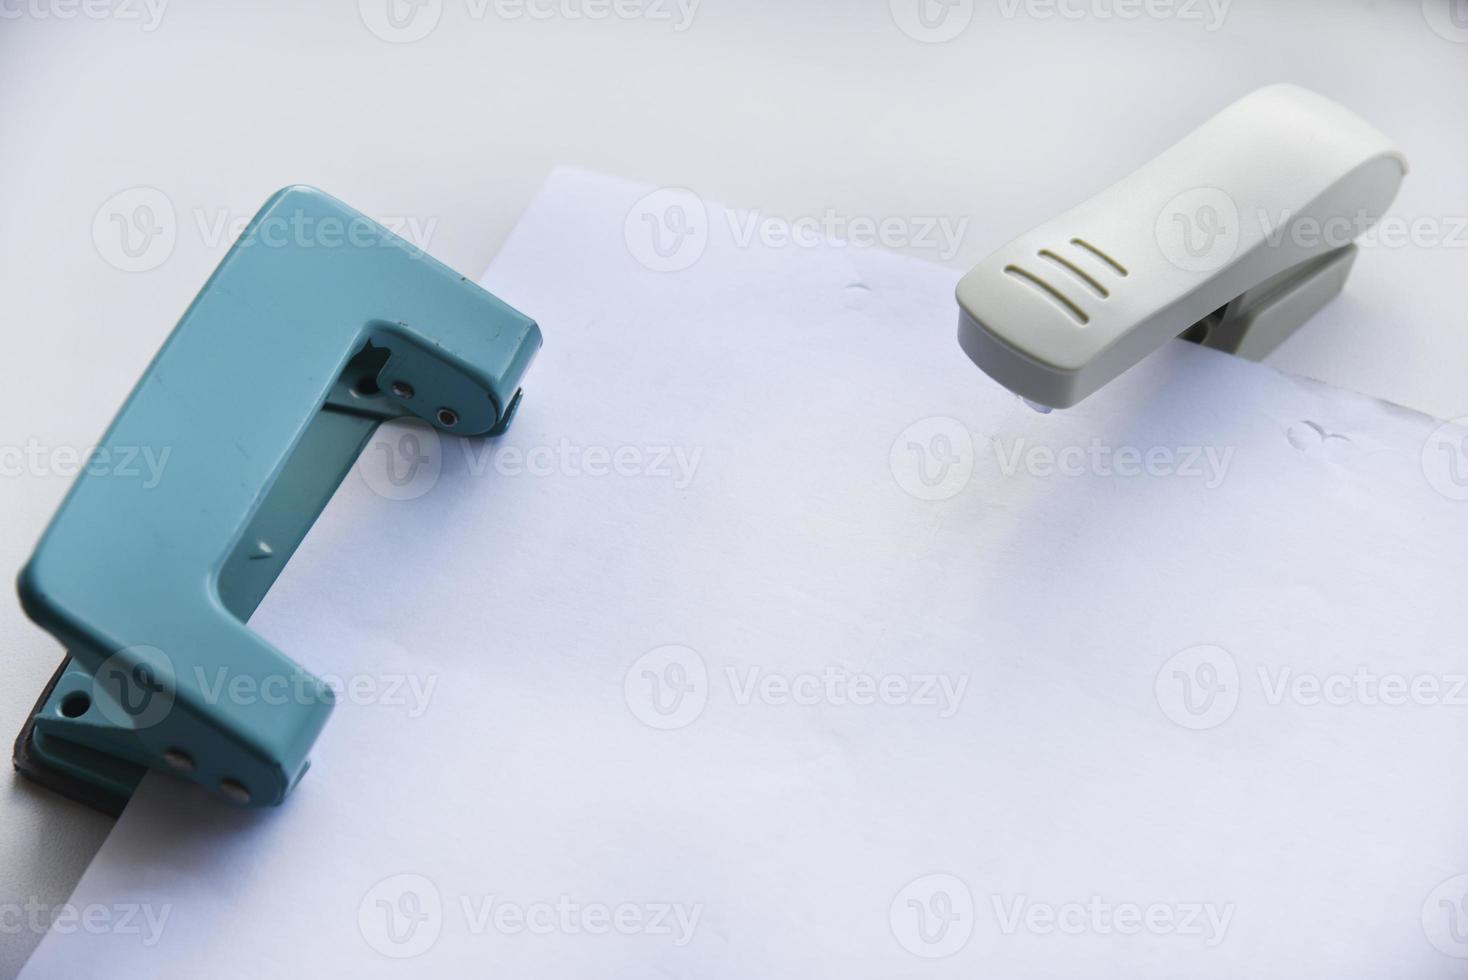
317 326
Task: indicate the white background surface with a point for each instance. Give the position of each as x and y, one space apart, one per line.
792 108
1103 683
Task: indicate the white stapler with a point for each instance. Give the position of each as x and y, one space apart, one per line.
1233 238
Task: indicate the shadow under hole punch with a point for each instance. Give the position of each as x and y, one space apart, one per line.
265 394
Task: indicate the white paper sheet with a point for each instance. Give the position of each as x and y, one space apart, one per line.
775 640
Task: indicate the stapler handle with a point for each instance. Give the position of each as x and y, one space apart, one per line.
1263 200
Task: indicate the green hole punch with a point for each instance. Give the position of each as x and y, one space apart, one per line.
318 326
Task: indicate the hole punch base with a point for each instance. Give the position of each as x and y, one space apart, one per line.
33 766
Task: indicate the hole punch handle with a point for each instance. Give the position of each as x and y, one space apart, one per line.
339 325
